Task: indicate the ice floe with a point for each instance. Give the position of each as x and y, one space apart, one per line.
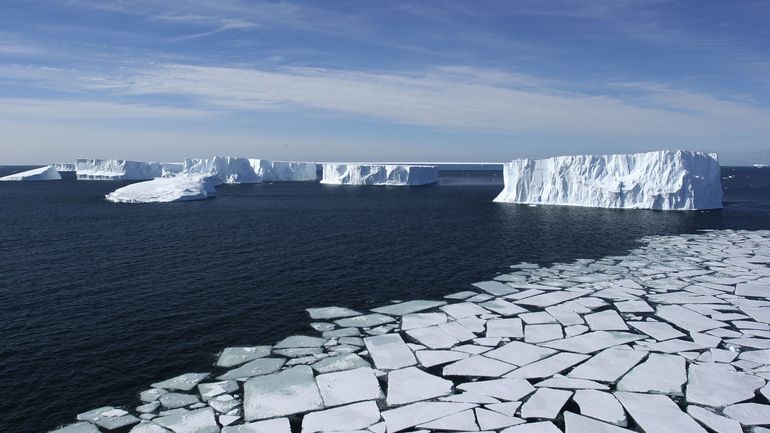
661 340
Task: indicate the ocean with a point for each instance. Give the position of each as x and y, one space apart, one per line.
98 300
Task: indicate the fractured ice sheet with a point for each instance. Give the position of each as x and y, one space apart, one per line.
671 338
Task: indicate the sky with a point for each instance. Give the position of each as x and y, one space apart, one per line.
427 80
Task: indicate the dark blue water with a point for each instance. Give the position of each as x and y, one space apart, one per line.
97 300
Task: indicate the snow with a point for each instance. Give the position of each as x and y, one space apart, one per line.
284 171
713 385
389 352
600 405
663 180
505 389
165 190
277 425
657 413
226 169
116 169
183 382
378 174
661 374
197 421
43 173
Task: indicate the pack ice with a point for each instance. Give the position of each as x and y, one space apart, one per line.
165 190
43 173
662 180
378 174
117 169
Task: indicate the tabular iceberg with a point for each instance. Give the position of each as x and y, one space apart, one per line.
42 173
228 169
285 171
64 167
663 180
165 189
378 174
116 169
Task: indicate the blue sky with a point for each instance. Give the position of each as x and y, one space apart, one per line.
382 80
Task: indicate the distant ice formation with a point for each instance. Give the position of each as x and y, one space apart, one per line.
43 173
227 168
284 171
117 169
378 174
663 180
64 167
166 189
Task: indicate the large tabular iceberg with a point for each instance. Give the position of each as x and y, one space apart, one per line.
228 169
64 167
117 169
378 174
285 171
166 189
43 173
663 180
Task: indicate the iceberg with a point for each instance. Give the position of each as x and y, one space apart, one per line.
378 174
227 168
285 171
116 169
662 180
64 167
43 173
165 190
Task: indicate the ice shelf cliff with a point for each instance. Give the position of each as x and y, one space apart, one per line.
227 168
378 174
663 180
116 169
166 189
284 171
43 173
64 167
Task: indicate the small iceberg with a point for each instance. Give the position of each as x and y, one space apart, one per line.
166 190
379 174
43 173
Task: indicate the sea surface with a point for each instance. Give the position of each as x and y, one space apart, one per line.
98 300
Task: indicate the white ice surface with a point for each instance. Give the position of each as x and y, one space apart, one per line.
378 174
165 190
42 173
665 180
284 171
117 169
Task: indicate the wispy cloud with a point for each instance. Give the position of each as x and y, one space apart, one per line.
214 24
460 99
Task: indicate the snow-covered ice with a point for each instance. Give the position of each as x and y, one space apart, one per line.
117 169
378 174
663 180
42 173
226 169
165 190
284 171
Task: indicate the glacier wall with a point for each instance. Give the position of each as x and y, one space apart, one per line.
227 168
116 169
663 180
378 174
64 167
165 190
285 171
43 173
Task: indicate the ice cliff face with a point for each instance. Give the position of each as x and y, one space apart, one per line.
228 169
663 180
43 173
284 171
64 167
166 189
116 169
367 174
